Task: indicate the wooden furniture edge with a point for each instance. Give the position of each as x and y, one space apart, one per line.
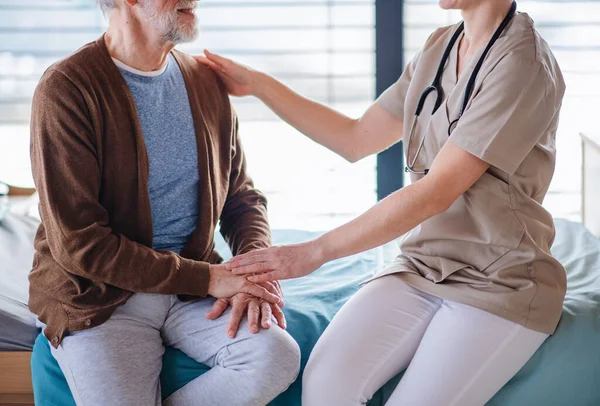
15 373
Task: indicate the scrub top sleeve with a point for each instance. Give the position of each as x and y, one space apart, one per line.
512 110
392 100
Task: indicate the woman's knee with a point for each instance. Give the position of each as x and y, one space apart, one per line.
329 379
318 380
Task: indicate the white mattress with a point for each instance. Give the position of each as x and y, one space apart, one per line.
17 324
16 256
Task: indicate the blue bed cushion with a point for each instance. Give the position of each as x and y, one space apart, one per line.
565 371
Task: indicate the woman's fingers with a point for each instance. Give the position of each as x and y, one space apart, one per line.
268 276
262 293
275 288
248 258
205 61
214 57
279 290
258 267
253 262
266 313
270 286
237 77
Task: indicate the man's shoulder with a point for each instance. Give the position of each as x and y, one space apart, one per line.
83 60
202 74
72 70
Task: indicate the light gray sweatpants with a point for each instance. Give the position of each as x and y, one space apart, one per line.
119 362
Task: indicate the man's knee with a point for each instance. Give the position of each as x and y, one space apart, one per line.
281 359
274 357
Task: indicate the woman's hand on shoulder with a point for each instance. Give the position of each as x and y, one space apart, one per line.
238 79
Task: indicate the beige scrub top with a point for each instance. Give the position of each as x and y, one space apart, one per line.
491 248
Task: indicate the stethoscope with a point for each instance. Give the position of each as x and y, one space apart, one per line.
436 87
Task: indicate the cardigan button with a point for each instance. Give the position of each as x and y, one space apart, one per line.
55 340
87 322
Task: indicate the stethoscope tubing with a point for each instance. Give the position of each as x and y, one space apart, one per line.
436 86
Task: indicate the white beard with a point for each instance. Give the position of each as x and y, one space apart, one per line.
168 24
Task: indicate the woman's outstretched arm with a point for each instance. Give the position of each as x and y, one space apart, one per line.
353 139
453 172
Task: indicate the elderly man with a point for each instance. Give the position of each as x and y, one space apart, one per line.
136 158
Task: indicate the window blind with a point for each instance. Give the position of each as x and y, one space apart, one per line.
322 48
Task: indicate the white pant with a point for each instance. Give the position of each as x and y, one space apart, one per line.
455 354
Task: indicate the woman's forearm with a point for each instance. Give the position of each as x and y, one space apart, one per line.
322 124
387 220
451 174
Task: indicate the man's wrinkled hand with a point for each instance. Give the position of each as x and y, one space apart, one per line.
258 311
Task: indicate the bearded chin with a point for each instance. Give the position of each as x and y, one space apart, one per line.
177 32
171 29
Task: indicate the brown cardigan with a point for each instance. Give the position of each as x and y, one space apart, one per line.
93 247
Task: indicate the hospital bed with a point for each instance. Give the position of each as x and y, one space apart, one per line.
590 196
566 369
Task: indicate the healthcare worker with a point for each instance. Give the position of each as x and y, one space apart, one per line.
475 291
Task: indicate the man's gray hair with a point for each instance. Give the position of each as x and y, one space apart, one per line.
106 6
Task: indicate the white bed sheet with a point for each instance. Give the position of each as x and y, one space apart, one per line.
16 256
17 323
17 326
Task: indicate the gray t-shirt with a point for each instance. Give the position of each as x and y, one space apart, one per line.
167 125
